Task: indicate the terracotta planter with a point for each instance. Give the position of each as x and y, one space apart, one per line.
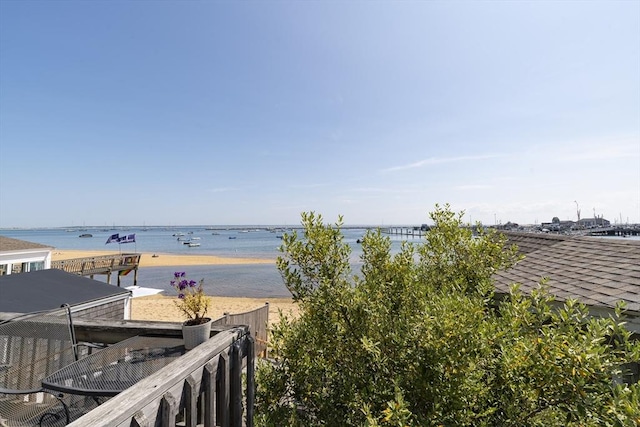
196 334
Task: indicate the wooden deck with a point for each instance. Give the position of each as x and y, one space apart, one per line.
121 264
211 385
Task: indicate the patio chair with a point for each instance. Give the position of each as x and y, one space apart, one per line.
33 346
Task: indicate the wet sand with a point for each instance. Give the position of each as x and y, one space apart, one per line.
163 259
161 307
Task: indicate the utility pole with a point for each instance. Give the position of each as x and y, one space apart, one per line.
577 209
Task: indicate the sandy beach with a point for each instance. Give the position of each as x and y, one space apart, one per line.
162 259
161 307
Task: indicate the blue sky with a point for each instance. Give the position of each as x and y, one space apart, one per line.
203 112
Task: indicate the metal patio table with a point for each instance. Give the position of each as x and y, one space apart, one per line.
113 369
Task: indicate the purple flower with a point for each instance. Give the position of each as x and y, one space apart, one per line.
191 300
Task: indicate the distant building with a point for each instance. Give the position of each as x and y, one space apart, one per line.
557 225
593 222
20 256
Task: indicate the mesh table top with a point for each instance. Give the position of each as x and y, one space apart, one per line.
117 367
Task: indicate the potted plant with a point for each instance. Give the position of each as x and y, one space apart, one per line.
193 303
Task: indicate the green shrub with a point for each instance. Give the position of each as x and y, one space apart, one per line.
417 339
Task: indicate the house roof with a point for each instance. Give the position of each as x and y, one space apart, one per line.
8 244
595 271
49 289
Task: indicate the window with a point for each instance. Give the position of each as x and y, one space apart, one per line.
35 266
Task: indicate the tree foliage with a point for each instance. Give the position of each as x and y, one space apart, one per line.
417 338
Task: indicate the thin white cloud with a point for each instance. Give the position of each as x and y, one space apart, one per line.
441 160
473 187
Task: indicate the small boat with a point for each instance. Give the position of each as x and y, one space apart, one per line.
195 238
193 244
232 237
86 235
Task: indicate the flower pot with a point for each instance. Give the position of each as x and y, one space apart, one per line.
194 335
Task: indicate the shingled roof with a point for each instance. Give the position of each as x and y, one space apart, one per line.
7 244
598 272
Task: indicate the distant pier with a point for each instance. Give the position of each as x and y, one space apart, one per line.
615 231
405 231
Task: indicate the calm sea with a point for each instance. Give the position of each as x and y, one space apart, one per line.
253 280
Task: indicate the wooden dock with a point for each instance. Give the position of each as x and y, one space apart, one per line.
121 264
405 231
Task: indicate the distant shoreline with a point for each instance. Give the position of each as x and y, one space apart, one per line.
162 259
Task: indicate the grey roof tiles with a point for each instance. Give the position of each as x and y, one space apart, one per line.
595 271
8 244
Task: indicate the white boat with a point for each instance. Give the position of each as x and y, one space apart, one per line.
194 244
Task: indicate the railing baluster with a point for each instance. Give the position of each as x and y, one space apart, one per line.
222 393
209 379
139 420
168 410
236 385
251 387
190 404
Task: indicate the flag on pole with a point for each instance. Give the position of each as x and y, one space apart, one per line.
113 238
131 238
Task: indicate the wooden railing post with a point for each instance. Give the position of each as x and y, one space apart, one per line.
168 410
191 402
236 385
209 379
222 392
251 385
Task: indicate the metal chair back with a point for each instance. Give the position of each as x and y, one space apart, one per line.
32 347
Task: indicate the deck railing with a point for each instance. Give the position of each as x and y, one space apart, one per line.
257 320
104 264
202 387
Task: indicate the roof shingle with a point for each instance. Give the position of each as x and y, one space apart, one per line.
595 271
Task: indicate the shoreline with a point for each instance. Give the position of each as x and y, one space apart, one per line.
162 259
162 307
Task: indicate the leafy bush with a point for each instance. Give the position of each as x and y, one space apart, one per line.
417 338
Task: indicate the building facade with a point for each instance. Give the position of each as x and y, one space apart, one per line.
20 256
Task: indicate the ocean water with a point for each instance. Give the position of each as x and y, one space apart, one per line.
252 280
